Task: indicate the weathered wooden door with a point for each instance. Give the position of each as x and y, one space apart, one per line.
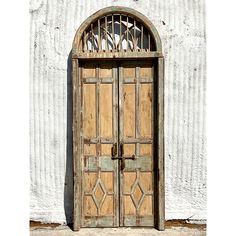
116 143
118 121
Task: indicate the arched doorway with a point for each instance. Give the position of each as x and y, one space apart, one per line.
118 121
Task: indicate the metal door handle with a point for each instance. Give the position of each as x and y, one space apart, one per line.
133 157
114 152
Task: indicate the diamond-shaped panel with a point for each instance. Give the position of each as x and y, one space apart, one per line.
137 194
99 193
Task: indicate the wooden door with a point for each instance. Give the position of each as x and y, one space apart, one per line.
116 144
136 137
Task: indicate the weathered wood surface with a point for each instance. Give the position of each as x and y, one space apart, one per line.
76 143
125 12
118 103
115 55
161 146
136 180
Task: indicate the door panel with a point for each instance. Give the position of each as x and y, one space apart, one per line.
116 113
98 134
136 135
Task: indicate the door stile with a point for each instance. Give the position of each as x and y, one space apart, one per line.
76 144
137 112
115 112
161 147
120 135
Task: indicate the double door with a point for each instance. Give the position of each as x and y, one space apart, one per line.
116 143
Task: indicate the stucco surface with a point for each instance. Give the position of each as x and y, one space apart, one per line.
181 25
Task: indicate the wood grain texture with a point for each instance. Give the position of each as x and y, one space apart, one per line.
161 147
129 110
137 123
146 110
106 127
76 144
89 110
99 186
100 117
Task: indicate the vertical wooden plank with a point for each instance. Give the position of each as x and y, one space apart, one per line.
106 130
76 142
116 139
137 106
89 110
146 110
129 110
98 117
161 151
120 138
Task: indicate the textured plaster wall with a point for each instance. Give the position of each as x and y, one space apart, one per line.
181 25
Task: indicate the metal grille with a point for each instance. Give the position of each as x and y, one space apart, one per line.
117 32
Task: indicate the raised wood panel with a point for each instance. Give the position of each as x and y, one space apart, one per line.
145 149
89 71
129 72
137 194
99 194
146 71
90 179
146 110
107 208
128 181
105 71
129 208
129 149
146 181
129 110
90 149
89 114
108 181
146 207
106 110
90 208
106 149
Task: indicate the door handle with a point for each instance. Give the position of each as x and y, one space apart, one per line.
114 152
133 157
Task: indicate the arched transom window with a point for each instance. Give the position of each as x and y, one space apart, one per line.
117 32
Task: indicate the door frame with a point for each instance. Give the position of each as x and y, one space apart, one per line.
78 55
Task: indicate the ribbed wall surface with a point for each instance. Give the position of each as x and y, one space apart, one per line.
181 25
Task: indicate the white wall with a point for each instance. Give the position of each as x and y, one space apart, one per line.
181 25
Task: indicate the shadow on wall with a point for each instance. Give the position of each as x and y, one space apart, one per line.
68 186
